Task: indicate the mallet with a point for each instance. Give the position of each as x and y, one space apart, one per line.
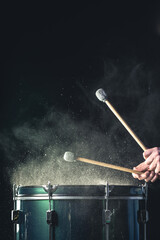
69 157
102 96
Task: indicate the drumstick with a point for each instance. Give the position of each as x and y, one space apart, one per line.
101 95
69 156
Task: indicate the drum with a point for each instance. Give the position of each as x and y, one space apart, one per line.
79 212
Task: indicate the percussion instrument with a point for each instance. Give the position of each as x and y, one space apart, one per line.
76 212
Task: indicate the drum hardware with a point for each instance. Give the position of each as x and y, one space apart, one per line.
107 211
142 215
106 214
50 189
16 215
51 215
15 191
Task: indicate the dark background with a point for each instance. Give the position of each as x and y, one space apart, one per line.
54 58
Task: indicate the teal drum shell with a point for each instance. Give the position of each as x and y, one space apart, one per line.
79 213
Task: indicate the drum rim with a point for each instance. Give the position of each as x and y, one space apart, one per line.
68 197
100 185
65 196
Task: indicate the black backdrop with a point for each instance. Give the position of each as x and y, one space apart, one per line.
55 57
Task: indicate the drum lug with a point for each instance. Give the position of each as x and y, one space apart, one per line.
52 217
142 216
106 216
16 216
50 189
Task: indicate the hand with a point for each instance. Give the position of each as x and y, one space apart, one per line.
150 167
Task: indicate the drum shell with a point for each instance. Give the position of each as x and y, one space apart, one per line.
79 210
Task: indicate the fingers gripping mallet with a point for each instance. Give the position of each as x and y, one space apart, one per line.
102 96
69 157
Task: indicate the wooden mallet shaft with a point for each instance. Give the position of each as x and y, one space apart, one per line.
102 164
136 138
69 157
102 96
